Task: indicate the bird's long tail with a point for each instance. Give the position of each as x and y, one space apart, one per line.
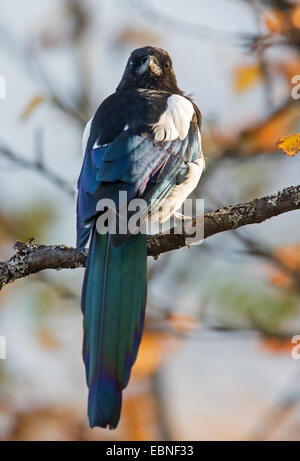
113 304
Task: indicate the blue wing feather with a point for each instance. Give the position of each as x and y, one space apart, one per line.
135 164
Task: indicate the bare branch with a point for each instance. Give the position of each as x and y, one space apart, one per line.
39 167
199 31
254 248
232 217
32 258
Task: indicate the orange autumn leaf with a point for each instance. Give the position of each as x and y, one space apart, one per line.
267 135
289 68
154 349
290 144
276 21
262 138
247 76
31 106
47 340
276 345
289 256
182 322
140 415
295 17
45 423
280 279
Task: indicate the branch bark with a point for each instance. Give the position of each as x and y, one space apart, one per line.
32 258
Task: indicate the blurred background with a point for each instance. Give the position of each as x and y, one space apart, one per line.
215 361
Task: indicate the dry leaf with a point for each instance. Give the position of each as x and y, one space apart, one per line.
263 137
247 76
141 417
46 424
276 345
279 278
47 340
154 349
290 144
295 17
289 256
182 322
289 68
276 21
31 106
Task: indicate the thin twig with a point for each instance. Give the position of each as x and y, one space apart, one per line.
199 31
39 167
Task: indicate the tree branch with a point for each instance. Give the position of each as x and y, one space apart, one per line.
39 167
200 31
32 258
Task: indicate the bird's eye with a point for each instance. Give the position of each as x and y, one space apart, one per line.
167 66
144 59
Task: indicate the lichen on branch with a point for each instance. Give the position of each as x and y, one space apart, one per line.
31 258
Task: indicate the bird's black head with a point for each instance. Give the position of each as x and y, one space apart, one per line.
149 68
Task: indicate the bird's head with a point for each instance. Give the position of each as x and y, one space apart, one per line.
150 68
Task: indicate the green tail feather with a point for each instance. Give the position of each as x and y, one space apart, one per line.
113 304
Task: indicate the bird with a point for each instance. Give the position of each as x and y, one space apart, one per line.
145 140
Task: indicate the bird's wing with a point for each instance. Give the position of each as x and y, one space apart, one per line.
157 138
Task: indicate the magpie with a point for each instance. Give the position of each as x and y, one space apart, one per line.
144 140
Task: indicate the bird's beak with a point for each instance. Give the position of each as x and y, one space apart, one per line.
151 65
154 68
